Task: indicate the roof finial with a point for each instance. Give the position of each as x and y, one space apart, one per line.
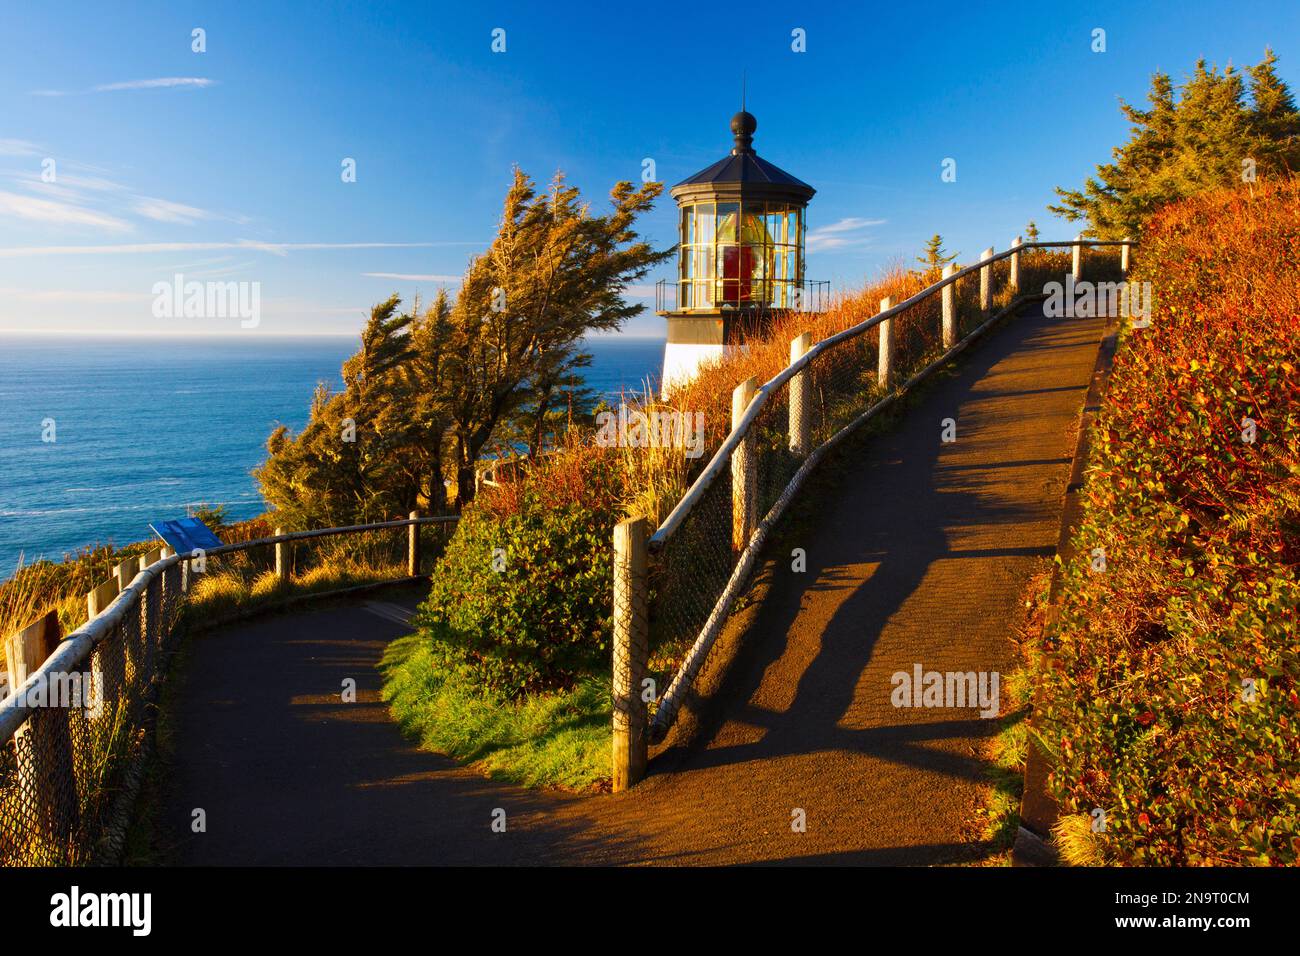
743 123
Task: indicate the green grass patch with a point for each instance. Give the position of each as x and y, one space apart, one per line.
558 739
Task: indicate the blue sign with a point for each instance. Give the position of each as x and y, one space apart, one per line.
184 535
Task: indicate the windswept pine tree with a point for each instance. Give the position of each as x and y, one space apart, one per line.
352 460
1224 128
553 274
429 391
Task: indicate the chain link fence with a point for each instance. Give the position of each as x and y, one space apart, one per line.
702 555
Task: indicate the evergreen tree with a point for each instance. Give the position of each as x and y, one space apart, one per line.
1219 131
1273 115
935 258
1031 231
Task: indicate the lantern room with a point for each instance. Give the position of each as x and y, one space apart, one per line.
740 254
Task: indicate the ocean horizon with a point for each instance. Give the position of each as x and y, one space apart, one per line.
146 427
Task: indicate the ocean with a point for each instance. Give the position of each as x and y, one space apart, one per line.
143 428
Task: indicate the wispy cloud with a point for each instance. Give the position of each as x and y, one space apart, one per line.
54 212
412 277
157 83
18 147
137 248
845 233
218 273
90 297
164 82
96 184
110 200
164 210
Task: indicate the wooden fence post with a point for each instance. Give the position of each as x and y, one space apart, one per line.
885 356
800 398
151 612
105 686
124 572
131 649
986 282
101 597
1015 265
187 573
1123 256
744 470
631 652
1077 264
281 557
949 295
170 597
413 547
43 745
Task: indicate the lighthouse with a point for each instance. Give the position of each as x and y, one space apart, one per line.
740 255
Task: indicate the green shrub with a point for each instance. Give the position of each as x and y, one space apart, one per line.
521 596
1143 701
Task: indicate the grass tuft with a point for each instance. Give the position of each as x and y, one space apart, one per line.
559 739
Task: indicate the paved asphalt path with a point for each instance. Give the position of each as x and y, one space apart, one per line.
918 555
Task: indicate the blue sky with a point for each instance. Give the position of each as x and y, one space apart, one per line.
225 165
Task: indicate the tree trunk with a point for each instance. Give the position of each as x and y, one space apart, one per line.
437 495
464 485
464 472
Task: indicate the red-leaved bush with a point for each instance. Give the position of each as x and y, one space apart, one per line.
1170 700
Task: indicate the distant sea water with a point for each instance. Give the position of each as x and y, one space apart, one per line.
144 427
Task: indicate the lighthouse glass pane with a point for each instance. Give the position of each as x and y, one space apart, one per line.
728 219
704 223
688 225
754 227
776 223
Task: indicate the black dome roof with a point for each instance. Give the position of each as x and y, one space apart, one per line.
744 173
